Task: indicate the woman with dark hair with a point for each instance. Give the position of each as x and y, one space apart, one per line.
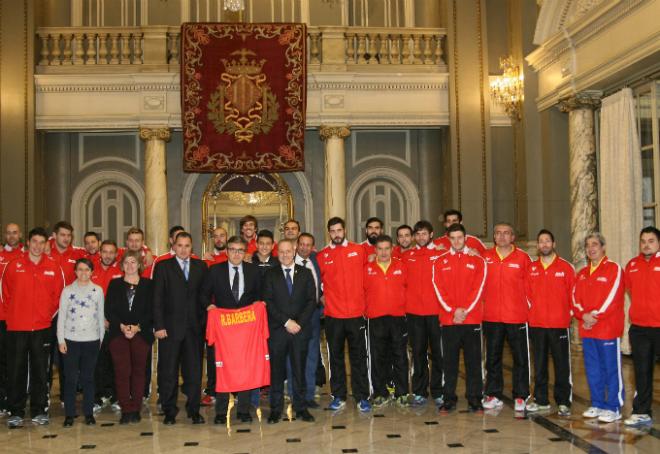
129 313
80 330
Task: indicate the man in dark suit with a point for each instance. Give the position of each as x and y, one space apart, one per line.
178 320
232 285
290 295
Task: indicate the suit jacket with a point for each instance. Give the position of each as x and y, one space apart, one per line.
217 287
177 304
265 266
298 306
315 263
141 313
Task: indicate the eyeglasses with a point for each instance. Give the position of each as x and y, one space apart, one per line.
236 251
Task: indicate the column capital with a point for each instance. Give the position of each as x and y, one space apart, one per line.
589 99
339 131
158 133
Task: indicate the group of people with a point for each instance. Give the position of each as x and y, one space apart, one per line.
95 311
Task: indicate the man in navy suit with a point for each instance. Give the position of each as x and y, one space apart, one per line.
290 296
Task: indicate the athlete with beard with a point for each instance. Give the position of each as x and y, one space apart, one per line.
404 241
372 230
219 252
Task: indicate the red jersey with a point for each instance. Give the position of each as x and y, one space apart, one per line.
642 280
420 294
342 269
240 337
102 276
471 242
385 291
144 251
505 300
67 259
369 249
397 253
8 253
218 257
94 258
458 281
602 292
31 293
550 293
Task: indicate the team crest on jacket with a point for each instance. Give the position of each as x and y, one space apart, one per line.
352 254
49 273
397 272
602 279
559 274
514 265
469 265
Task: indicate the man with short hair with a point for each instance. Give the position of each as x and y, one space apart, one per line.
373 228
291 229
107 268
642 278
219 252
174 231
264 258
30 289
341 264
404 241
12 247
422 314
135 242
549 289
505 317
63 251
472 242
92 244
458 280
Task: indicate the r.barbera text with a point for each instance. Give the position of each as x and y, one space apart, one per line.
238 318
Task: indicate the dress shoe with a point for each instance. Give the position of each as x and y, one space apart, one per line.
244 417
220 419
169 420
305 415
312 404
274 417
125 418
135 417
197 419
90 421
68 421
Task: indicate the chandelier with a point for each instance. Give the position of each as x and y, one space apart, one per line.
234 5
508 89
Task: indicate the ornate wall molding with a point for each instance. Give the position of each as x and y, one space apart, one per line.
341 132
583 100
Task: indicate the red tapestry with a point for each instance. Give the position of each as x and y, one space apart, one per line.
243 95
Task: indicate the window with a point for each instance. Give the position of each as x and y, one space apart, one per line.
648 126
112 210
383 200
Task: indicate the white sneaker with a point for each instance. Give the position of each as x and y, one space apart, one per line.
533 407
609 416
97 408
491 402
636 420
41 419
592 412
564 410
519 404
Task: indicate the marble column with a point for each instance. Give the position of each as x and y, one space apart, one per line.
335 169
155 187
582 175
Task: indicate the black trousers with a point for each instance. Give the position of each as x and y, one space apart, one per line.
173 353
281 345
242 402
104 374
425 333
556 342
79 364
353 330
28 349
645 343
468 338
3 365
516 336
210 370
388 350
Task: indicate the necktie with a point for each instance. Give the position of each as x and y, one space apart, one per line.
305 263
289 281
234 285
185 269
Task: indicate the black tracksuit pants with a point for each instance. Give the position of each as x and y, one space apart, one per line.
3 365
645 343
424 332
557 343
104 374
353 330
468 338
388 345
516 335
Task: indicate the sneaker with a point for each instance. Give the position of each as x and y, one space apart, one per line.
636 420
492 402
115 406
418 401
380 401
390 388
97 408
564 410
519 404
609 416
15 421
364 406
592 412
207 401
439 401
41 419
4 412
401 401
534 407
337 404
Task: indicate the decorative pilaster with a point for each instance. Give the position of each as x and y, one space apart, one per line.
155 187
335 169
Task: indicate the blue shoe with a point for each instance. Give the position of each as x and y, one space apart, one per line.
336 404
364 406
418 401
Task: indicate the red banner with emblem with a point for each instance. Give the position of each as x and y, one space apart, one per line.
243 94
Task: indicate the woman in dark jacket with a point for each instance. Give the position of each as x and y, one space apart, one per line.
128 310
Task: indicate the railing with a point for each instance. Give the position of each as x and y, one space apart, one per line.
60 48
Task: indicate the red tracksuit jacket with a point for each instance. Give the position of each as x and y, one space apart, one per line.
504 296
219 257
31 293
420 294
603 292
550 293
67 259
102 277
342 270
458 280
472 242
642 280
385 293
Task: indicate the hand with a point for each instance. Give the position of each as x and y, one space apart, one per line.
371 258
130 334
247 258
459 316
210 307
63 348
590 319
148 259
123 328
161 334
292 327
207 256
322 300
471 251
106 324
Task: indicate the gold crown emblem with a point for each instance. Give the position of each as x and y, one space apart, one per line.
243 65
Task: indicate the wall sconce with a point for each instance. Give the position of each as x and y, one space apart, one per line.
508 89
234 5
